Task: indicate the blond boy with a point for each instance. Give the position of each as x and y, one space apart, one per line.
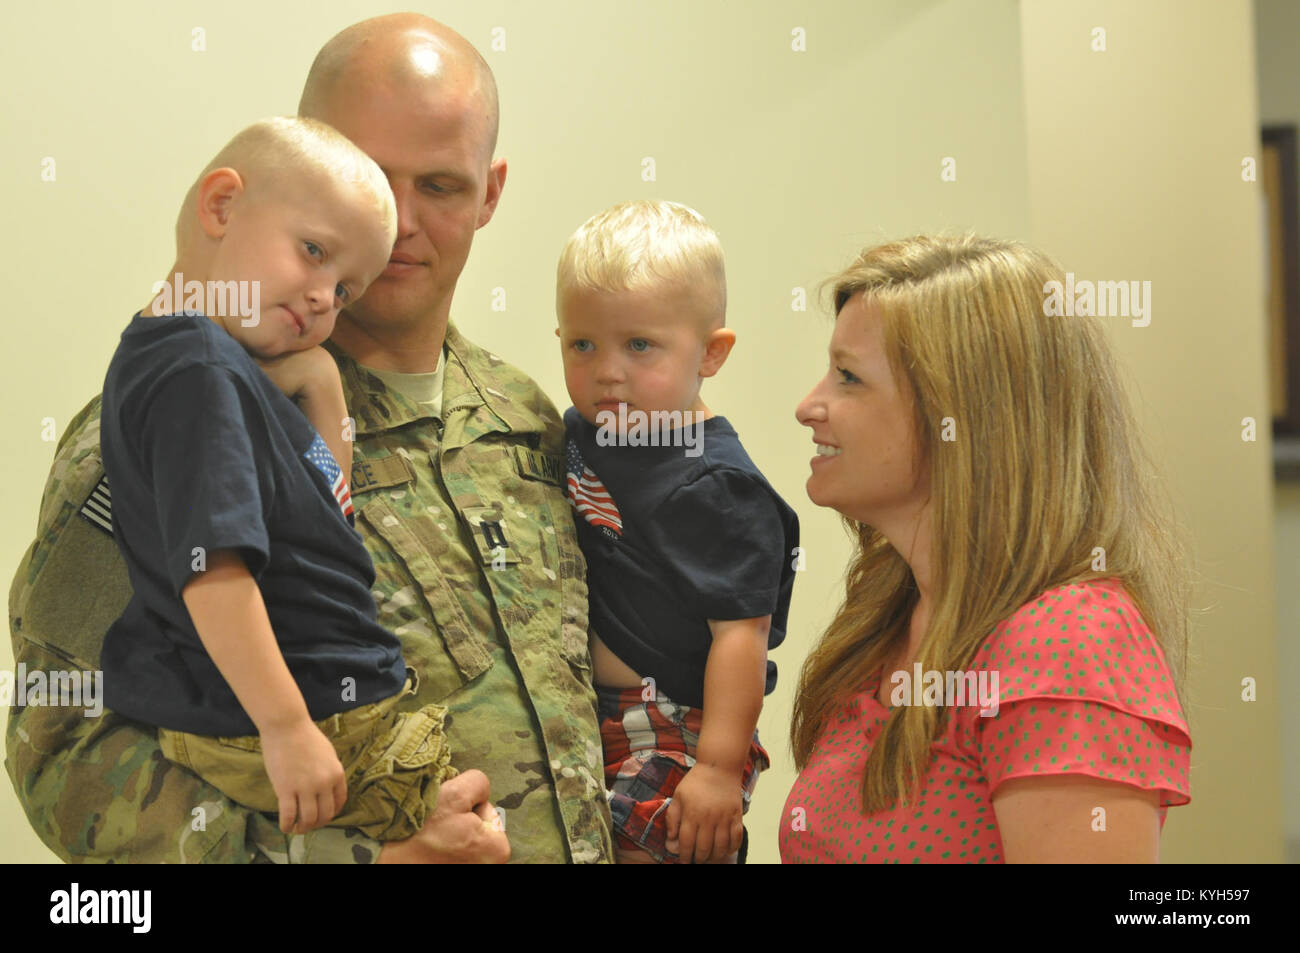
689 549
251 638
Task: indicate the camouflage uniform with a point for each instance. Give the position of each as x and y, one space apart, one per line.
478 571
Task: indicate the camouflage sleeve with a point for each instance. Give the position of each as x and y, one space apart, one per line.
96 788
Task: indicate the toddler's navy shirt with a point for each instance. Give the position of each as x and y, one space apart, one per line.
203 453
672 541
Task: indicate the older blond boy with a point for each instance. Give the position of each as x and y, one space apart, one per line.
251 638
689 549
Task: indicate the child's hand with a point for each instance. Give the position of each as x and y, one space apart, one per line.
306 774
301 374
705 816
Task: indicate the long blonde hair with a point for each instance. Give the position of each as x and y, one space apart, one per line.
1046 466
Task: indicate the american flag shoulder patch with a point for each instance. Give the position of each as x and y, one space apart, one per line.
588 495
318 454
98 508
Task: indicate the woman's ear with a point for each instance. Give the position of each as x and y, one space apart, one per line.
216 194
716 348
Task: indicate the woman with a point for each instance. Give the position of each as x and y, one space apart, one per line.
1002 680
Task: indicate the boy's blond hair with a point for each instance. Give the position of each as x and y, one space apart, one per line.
646 244
271 151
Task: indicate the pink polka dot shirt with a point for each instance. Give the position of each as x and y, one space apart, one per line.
1083 688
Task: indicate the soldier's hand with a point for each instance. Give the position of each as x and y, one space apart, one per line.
301 374
305 771
463 829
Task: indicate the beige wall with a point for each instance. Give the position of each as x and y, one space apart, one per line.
1277 32
1135 173
797 158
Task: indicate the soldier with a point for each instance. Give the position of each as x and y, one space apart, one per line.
456 479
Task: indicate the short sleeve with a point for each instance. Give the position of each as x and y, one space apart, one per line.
202 436
721 540
1083 689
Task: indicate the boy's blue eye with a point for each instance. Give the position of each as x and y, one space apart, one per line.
847 377
639 344
582 346
341 291
313 249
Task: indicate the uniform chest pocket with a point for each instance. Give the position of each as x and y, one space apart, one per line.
522 527
427 592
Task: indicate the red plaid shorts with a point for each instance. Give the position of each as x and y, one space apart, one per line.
649 747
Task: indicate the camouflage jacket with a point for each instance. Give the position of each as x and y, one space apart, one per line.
478 572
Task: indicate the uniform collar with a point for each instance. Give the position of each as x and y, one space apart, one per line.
476 397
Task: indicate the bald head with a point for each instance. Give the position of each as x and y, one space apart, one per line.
397 52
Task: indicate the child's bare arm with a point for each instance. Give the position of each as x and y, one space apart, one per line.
324 405
230 617
733 691
311 380
706 814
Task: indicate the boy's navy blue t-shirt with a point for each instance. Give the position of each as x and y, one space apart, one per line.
672 541
203 453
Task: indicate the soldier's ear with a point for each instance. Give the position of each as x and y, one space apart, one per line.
496 182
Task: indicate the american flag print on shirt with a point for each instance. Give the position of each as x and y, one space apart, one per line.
319 454
588 495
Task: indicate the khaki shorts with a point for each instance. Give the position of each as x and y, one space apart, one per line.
394 763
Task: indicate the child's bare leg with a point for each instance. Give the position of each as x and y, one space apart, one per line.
641 857
625 856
